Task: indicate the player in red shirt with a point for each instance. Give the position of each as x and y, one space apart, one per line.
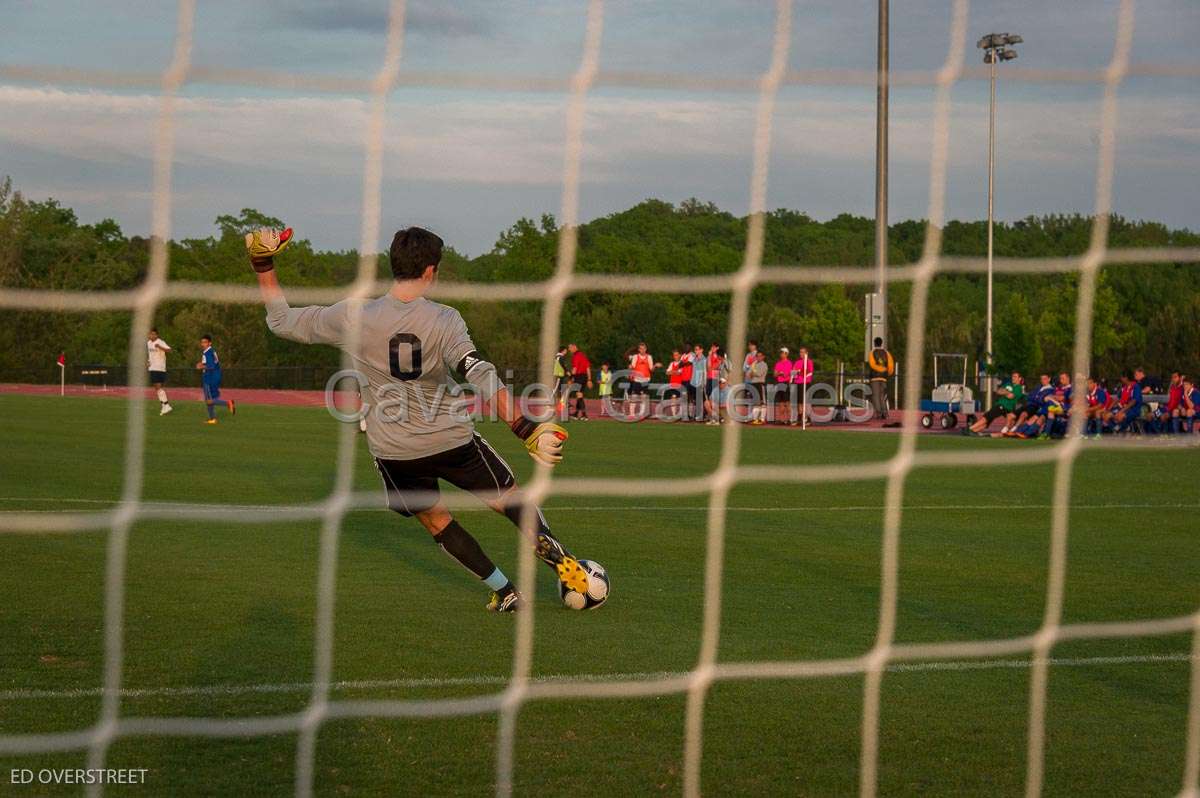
675 381
581 376
1171 412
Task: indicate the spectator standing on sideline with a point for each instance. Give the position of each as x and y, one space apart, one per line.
750 360
559 394
719 396
641 363
699 366
674 392
783 380
802 375
581 377
758 388
605 387
712 372
685 381
881 367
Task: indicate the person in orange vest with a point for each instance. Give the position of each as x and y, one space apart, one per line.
641 364
881 367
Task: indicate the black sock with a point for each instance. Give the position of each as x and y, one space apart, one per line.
459 544
513 513
547 547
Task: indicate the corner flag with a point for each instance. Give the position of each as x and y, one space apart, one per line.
62 373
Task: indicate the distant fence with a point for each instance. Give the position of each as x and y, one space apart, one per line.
99 375
313 378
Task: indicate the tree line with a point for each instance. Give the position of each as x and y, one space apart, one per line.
1146 315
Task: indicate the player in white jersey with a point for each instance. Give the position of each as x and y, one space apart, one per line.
156 359
408 350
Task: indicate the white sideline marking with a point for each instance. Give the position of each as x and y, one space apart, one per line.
484 680
631 508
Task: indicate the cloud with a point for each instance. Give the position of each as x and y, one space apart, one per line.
497 152
356 16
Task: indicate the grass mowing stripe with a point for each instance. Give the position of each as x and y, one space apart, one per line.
581 678
636 508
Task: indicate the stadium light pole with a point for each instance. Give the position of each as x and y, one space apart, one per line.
881 168
995 48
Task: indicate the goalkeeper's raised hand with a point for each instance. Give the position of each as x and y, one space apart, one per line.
544 441
264 244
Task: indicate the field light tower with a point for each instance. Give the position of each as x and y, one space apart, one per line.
995 48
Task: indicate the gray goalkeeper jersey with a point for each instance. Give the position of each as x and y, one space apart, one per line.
408 352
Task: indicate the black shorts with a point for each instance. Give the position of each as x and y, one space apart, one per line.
412 485
996 412
636 387
158 377
1026 409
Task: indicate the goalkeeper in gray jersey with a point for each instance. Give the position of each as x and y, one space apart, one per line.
419 429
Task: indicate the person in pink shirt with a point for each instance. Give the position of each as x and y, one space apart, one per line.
802 376
783 380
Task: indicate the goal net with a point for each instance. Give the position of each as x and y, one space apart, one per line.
521 689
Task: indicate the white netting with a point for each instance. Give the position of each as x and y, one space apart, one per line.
520 688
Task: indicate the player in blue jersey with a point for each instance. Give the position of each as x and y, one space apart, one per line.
1033 412
1190 409
210 380
1059 419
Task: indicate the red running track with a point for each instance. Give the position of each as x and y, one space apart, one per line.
348 400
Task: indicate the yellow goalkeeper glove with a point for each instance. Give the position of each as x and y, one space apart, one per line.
544 441
264 244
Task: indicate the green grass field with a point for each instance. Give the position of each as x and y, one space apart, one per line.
219 617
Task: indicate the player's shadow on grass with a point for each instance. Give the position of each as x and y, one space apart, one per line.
398 539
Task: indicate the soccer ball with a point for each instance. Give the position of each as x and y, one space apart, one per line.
597 590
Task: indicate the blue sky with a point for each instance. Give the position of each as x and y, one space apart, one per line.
467 163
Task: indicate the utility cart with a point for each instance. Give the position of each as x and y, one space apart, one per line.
948 399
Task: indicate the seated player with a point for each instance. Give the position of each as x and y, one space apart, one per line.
409 349
1032 411
1060 418
1038 424
1054 416
1129 409
1097 406
1170 420
1008 396
210 380
1190 409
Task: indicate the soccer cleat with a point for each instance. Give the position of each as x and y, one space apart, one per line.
506 599
211 421
232 408
166 408
551 552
